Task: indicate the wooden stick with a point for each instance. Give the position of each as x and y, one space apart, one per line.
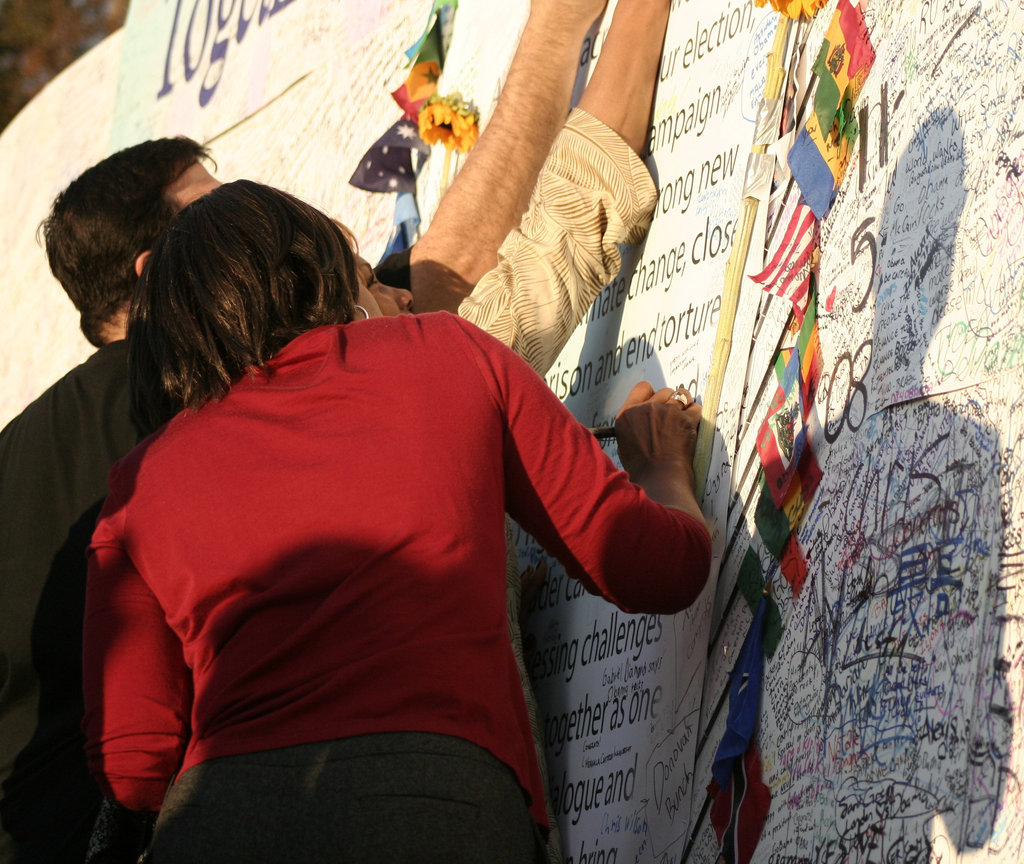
734 279
446 168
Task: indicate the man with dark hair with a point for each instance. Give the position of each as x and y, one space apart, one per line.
54 459
55 456
98 225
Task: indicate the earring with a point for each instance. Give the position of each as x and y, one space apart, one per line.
361 309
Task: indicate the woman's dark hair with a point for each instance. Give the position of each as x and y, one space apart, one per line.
238 274
109 216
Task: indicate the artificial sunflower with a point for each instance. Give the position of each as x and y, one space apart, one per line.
793 8
451 121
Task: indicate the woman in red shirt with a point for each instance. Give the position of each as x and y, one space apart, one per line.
296 601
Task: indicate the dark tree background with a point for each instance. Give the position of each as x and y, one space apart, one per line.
38 38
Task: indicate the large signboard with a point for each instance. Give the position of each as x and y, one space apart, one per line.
205 66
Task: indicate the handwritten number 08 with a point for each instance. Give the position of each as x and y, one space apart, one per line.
862 240
855 388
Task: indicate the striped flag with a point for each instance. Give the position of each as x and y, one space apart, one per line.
801 490
741 799
788 274
772 524
783 434
751 583
809 346
738 813
821 151
421 82
744 698
442 13
793 565
403 234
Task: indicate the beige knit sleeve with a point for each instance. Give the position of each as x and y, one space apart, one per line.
593 194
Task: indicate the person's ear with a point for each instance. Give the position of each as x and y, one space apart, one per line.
140 262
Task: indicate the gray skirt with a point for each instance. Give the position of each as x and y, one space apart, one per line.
397 797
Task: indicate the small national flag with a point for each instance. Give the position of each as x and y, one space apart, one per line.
794 568
407 219
858 40
823 145
783 434
809 347
387 166
417 88
738 813
812 173
801 490
771 522
421 82
744 699
750 581
444 10
788 273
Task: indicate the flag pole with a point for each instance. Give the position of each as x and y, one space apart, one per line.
734 273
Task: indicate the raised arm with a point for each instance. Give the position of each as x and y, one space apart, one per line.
491 192
593 194
621 90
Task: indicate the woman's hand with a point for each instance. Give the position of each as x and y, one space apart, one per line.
657 434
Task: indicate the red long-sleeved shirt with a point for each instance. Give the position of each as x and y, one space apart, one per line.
321 554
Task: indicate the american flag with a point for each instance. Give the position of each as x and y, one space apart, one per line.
788 274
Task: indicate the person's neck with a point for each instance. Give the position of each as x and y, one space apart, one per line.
115 328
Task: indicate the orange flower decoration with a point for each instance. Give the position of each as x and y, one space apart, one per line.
451 121
793 8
